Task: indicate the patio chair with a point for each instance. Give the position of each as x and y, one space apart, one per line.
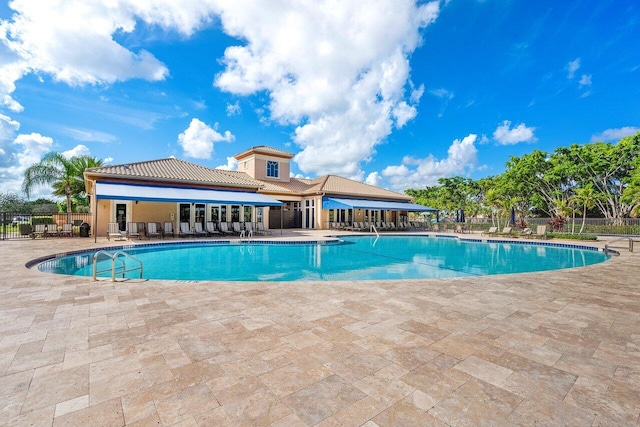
492 231
113 230
168 229
152 230
67 230
237 229
132 230
185 230
261 229
224 228
541 232
210 228
39 230
248 226
525 233
506 232
198 230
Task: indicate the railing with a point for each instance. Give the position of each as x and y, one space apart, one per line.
608 244
246 236
118 264
20 225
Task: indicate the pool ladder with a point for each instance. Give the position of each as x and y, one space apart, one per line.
246 236
608 244
118 264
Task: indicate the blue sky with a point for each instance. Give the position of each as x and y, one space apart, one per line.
392 92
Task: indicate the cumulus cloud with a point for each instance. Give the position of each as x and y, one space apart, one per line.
572 67
328 69
232 164
505 135
198 139
78 150
19 153
418 173
615 134
585 80
73 40
374 178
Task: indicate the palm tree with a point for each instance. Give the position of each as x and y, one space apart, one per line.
65 175
586 196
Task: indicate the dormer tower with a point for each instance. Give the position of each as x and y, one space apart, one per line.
265 163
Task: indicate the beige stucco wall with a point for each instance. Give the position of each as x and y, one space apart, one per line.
140 212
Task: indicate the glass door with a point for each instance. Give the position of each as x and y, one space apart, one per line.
121 216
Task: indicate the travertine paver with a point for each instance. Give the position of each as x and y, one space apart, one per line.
552 348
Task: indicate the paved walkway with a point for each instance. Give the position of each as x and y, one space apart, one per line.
553 348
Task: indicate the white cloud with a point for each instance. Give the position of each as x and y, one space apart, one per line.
78 150
73 40
615 134
232 164
329 69
19 153
374 178
198 139
572 67
504 135
418 173
585 80
234 109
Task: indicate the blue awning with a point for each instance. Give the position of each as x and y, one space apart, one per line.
338 203
149 193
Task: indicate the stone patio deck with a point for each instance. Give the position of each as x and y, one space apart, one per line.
552 348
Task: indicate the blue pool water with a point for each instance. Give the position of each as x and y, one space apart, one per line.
353 258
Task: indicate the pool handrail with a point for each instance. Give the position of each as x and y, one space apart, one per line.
114 260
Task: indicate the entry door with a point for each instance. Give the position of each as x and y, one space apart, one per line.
200 212
121 216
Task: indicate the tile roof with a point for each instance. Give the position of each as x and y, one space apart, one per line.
172 169
263 149
332 185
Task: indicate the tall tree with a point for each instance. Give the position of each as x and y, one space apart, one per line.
65 175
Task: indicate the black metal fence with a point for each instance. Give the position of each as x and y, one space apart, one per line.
20 225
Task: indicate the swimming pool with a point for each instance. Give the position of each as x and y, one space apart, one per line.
349 258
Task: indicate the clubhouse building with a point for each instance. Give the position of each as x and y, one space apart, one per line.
260 191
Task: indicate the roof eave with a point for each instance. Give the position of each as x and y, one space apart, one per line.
95 176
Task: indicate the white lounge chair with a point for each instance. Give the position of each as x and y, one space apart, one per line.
168 229
152 230
185 230
261 229
39 230
237 229
224 228
113 230
132 230
198 230
211 228
67 230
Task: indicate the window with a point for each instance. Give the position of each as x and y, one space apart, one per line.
235 213
185 212
272 169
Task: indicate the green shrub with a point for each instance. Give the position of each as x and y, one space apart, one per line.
573 236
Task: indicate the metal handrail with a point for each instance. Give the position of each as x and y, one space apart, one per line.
118 265
606 245
244 235
373 228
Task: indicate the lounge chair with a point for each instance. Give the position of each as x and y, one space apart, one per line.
224 228
39 230
391 226
113 230
248 226
237 229
185 230
541 232
152 230
262 230
525 233
67 230
210 228
198 230
168 229
492 231
132 230
506 232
